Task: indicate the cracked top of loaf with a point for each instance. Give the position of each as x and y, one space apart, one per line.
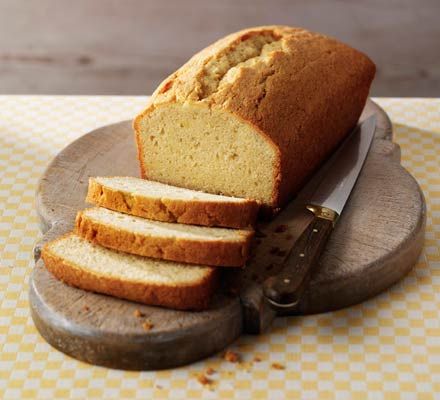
245 73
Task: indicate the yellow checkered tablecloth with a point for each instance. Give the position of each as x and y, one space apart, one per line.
388 347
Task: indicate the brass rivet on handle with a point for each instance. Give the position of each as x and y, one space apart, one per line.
301 254
315 230
286 280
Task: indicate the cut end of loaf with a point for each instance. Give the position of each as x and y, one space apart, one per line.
199 148
254 114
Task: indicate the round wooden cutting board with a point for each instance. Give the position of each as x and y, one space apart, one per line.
376 242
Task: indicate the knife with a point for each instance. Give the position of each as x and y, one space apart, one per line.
283 291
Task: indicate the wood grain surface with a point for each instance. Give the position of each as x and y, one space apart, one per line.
376 241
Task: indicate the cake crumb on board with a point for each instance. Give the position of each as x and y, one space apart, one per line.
277 365
147 325
138 313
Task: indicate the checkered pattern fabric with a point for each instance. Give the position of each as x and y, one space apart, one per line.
388 347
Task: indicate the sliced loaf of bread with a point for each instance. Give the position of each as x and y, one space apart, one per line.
253 114
161 202
165 240
88 266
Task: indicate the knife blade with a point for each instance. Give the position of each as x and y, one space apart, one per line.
284 291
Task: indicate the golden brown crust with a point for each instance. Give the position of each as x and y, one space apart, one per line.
305 96
183 297
224 214
216 253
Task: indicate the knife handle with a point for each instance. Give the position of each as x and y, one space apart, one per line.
284 290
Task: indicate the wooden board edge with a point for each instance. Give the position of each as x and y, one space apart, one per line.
400 264
171 349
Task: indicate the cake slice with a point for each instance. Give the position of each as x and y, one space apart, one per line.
161 202
88 266
165 240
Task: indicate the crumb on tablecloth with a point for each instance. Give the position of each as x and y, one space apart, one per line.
210 371
204 380
276 365
231 356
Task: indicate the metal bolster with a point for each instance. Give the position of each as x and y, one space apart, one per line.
323 212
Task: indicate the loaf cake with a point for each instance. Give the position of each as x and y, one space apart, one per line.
169 241
160 202
254 114
88 266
